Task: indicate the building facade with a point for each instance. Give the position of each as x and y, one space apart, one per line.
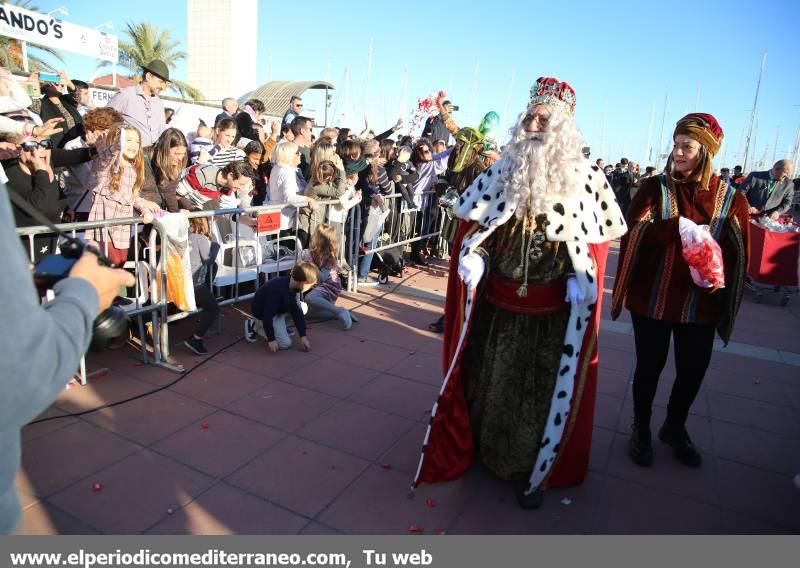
222 47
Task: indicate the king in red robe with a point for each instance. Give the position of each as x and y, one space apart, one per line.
523 308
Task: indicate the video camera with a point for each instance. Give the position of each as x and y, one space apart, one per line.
110 323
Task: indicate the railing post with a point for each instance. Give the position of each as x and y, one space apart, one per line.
355 228
161 331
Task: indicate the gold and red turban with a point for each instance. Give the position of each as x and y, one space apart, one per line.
705 129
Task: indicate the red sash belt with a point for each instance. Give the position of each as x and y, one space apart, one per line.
542 299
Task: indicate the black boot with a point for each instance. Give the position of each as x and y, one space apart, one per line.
640 447
532 500
682 447
417 258
437 326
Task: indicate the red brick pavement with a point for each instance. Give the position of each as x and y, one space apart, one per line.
327 442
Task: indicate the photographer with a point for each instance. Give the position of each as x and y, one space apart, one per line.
435 128
43 343
28 166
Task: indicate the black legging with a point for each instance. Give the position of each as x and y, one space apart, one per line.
693 345
423 224
205 299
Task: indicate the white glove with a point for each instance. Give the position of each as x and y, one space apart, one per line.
228 202
574 293
471 269
690 231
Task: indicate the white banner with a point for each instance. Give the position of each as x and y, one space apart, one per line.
100 97
33 27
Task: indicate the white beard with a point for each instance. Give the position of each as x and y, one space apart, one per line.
537 175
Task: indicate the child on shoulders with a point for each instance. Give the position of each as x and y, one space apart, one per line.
201 144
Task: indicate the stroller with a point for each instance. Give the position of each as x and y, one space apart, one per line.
388 263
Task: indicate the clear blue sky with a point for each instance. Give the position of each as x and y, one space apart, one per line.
621 57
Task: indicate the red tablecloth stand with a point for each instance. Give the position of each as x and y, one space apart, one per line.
773 260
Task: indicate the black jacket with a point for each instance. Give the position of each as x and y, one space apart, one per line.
42 193
245 127
436 130
50 110
407 174
276 298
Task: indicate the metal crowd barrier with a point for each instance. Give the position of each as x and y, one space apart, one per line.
150 298
137 309
402 226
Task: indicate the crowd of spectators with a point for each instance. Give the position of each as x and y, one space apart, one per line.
77 163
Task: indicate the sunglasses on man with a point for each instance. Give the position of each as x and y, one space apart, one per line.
31 145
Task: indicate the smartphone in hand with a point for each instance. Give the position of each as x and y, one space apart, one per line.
47 77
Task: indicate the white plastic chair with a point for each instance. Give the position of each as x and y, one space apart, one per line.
278 265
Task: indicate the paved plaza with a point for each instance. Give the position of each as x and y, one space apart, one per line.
327 442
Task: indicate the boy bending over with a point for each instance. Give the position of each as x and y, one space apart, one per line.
277 299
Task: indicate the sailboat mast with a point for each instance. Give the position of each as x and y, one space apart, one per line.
753 114
507 107
661 134
649 149
366 82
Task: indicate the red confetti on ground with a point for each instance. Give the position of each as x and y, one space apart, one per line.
441 531
385 466
97 487
430 503
99 374
415 529
204 425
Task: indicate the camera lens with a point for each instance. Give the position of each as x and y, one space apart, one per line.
108 325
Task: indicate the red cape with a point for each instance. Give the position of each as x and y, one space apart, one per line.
449 450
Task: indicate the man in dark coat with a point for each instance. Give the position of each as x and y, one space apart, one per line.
770 193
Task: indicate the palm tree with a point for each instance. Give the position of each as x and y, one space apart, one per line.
11 49
145 42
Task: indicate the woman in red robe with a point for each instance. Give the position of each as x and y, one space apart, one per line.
654 283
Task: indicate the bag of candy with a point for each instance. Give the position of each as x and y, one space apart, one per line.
703 254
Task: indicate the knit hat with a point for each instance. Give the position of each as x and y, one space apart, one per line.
705 129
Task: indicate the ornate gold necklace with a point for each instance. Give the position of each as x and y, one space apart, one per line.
531 251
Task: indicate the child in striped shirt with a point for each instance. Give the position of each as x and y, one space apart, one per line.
224 152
